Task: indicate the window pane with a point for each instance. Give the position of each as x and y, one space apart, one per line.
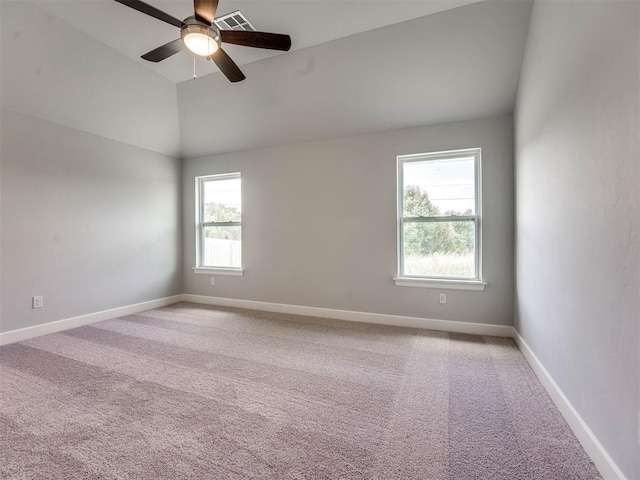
222 247
222 200
439 187
439 249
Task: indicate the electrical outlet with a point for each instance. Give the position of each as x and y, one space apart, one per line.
37 302
213 281
443 298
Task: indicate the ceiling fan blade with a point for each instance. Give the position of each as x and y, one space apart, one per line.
271 41
165 51
205 10
152 11
227 66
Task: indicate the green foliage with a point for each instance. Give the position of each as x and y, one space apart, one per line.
434 237
418 204
218 212
222 233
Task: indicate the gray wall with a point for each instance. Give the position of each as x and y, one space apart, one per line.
319 223
89 223
578 293
90 215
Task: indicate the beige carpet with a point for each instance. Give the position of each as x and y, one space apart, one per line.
193 392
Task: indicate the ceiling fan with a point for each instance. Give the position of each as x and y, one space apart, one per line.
199 34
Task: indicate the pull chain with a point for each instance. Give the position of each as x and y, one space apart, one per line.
194 67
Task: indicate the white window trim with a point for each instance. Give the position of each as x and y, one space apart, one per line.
200 269
452 283
218 271
423 282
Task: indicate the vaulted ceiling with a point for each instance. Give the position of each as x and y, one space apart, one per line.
452 65
308 22
355 66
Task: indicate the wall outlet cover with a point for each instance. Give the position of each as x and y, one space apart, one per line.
37 302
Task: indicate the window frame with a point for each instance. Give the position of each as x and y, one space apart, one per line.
457 283
201 225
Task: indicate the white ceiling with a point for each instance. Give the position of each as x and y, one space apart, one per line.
57 73
454 65
342 78
308 22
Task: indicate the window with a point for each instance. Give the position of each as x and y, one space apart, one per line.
219 239
439 231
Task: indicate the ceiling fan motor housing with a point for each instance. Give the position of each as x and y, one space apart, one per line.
200 38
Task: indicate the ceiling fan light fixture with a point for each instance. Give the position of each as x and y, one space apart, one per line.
200 40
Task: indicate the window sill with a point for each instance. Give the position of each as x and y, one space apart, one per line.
218 271
472 285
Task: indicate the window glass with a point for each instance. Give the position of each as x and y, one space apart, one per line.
439 215
222 200
219 223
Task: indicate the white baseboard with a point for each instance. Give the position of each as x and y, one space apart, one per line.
603 462
365 317
67 323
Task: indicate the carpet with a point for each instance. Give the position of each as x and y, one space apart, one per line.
197 392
